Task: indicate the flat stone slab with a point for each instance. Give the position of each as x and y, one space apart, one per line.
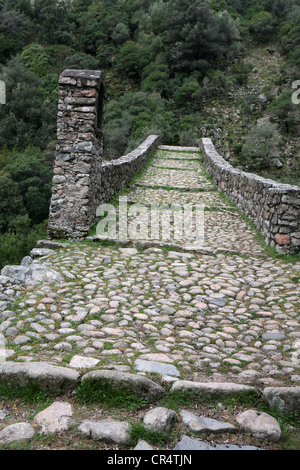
16 432
180 255
158 367
111 432
218 302
273 336
51 244
33 274
82 362
235 447
143 445
3 414
176 148
260 425
157 357
189 443
128 251
211 388
54 418
160 419
286 399
142 386
201 424
53 379
40 252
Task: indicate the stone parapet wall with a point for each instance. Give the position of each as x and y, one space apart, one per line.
273 207
77 166
117 174
81 182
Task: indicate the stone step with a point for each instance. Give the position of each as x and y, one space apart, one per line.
178 148
59 416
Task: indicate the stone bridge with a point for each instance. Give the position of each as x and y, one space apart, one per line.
133 326
82 181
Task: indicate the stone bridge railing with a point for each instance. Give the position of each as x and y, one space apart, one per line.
273 207
81 180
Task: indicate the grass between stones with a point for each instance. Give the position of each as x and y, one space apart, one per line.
101 391
92 401
31 394
101 399
138 432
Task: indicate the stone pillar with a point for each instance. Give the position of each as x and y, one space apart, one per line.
77 167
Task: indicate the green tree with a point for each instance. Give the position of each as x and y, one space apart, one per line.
15 32
262 26
81 61
261 146
285 113
156 78
198 37
11 202
120 34
52 21
36 59
189 94
34 178
27 116
20 240
130 60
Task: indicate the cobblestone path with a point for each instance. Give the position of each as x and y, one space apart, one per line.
223 311
233 314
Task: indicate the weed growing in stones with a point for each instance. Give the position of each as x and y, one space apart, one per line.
31 394
138 432
102 391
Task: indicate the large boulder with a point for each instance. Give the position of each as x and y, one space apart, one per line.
160 419
16 432
135 384
111 432
33 274
55 418
52 379
285 399
211 388
260 425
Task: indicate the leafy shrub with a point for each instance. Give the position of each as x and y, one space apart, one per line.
36 59
27 116
262 26
18 242
25 186
285 113
261 146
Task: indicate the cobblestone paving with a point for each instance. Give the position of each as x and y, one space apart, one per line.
224 229
190 315
143 195
176 178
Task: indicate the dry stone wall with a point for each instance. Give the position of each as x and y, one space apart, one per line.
78 153
117 174
81 181
273 207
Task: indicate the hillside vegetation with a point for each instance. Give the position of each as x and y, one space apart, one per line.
180 68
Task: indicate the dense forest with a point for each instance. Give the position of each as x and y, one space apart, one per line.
166 62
